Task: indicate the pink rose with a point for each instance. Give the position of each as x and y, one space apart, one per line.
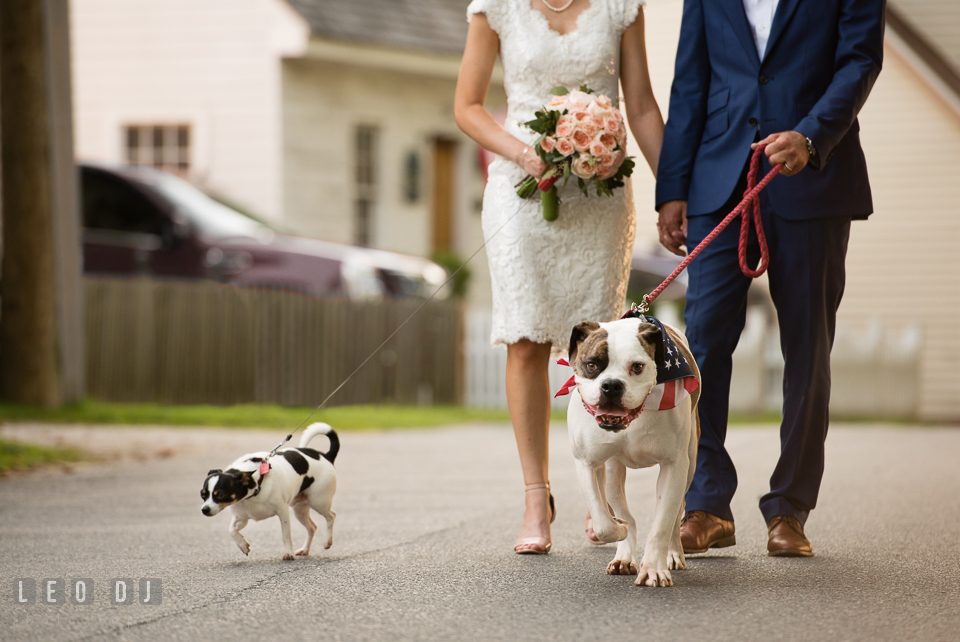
612 125
597 110
581 140
581 116
608 140
558 103
603 101
588 127
581 167
579 98
548 144
564 146
604 173
565 126
597 148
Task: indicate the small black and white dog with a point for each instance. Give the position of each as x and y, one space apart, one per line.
257 487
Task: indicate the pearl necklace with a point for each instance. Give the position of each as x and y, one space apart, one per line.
558 9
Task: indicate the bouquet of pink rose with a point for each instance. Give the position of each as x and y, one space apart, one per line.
581 133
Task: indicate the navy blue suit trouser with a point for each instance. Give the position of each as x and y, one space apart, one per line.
806 276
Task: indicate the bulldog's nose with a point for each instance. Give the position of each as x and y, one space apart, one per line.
205 510
612 387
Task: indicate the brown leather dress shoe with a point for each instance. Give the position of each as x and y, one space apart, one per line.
700 531
785 538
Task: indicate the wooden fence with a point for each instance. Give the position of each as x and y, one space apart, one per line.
210 343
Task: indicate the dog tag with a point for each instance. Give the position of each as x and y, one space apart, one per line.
264 468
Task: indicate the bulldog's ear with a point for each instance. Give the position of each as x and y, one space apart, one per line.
652 341
580 332
213 472
247 480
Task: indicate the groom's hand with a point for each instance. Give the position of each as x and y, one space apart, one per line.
789 148
673 226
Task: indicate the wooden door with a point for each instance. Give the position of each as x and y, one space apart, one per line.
444 175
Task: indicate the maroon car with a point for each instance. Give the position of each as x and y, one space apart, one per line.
142 221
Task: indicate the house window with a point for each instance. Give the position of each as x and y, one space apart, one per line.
366 179
163 146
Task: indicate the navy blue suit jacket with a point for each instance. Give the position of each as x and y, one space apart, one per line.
822 59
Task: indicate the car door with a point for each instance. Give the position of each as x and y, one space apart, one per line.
126 233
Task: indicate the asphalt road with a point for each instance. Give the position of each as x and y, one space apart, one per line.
422 546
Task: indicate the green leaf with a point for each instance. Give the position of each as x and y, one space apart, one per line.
559 91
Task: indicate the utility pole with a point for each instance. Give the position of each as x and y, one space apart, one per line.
40 307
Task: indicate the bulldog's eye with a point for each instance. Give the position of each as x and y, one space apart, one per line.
217 495
591 366
204 494
636 368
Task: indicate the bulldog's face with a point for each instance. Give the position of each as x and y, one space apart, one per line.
615 365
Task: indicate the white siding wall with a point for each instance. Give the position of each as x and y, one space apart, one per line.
903 262
324 101
212 64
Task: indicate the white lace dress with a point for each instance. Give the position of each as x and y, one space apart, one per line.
549 276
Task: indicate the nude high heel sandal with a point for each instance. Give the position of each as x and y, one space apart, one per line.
542 544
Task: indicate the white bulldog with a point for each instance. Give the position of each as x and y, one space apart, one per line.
615 366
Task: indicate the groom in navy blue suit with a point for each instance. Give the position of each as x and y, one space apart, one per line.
793 75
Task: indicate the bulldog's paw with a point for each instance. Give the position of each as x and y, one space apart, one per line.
676 561
622 567
287 556
615 531
244 547
301 552
649 575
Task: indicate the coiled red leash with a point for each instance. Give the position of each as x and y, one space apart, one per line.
751 196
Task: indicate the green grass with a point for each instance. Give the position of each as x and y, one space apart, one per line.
254 415
19 456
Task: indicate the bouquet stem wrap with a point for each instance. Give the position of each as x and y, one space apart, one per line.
550 201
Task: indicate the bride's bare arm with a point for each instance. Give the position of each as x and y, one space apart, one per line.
472 85
643 113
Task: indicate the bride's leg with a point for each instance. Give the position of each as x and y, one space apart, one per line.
528 395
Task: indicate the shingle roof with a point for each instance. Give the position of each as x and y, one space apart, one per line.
427 25
932 29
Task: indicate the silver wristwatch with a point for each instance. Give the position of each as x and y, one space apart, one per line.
811 150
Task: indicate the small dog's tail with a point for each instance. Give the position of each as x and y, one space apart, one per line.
321 428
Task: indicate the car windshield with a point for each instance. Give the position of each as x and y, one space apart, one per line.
210 217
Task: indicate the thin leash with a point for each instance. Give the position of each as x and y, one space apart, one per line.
750 197
398 329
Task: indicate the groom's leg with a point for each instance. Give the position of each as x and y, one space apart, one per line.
715 314
806 283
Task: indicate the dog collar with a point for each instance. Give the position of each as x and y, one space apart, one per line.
263 470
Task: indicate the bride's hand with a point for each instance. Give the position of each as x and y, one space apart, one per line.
530 162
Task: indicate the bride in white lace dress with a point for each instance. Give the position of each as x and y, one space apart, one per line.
549 276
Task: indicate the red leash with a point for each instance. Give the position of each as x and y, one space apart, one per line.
750 196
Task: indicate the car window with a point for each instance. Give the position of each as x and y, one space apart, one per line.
111 204
207 215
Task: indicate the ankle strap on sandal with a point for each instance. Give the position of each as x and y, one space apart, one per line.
541 485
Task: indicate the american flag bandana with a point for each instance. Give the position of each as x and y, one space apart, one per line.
675 381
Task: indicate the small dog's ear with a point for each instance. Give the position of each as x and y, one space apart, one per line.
580 332
214 472
247 480
652 341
